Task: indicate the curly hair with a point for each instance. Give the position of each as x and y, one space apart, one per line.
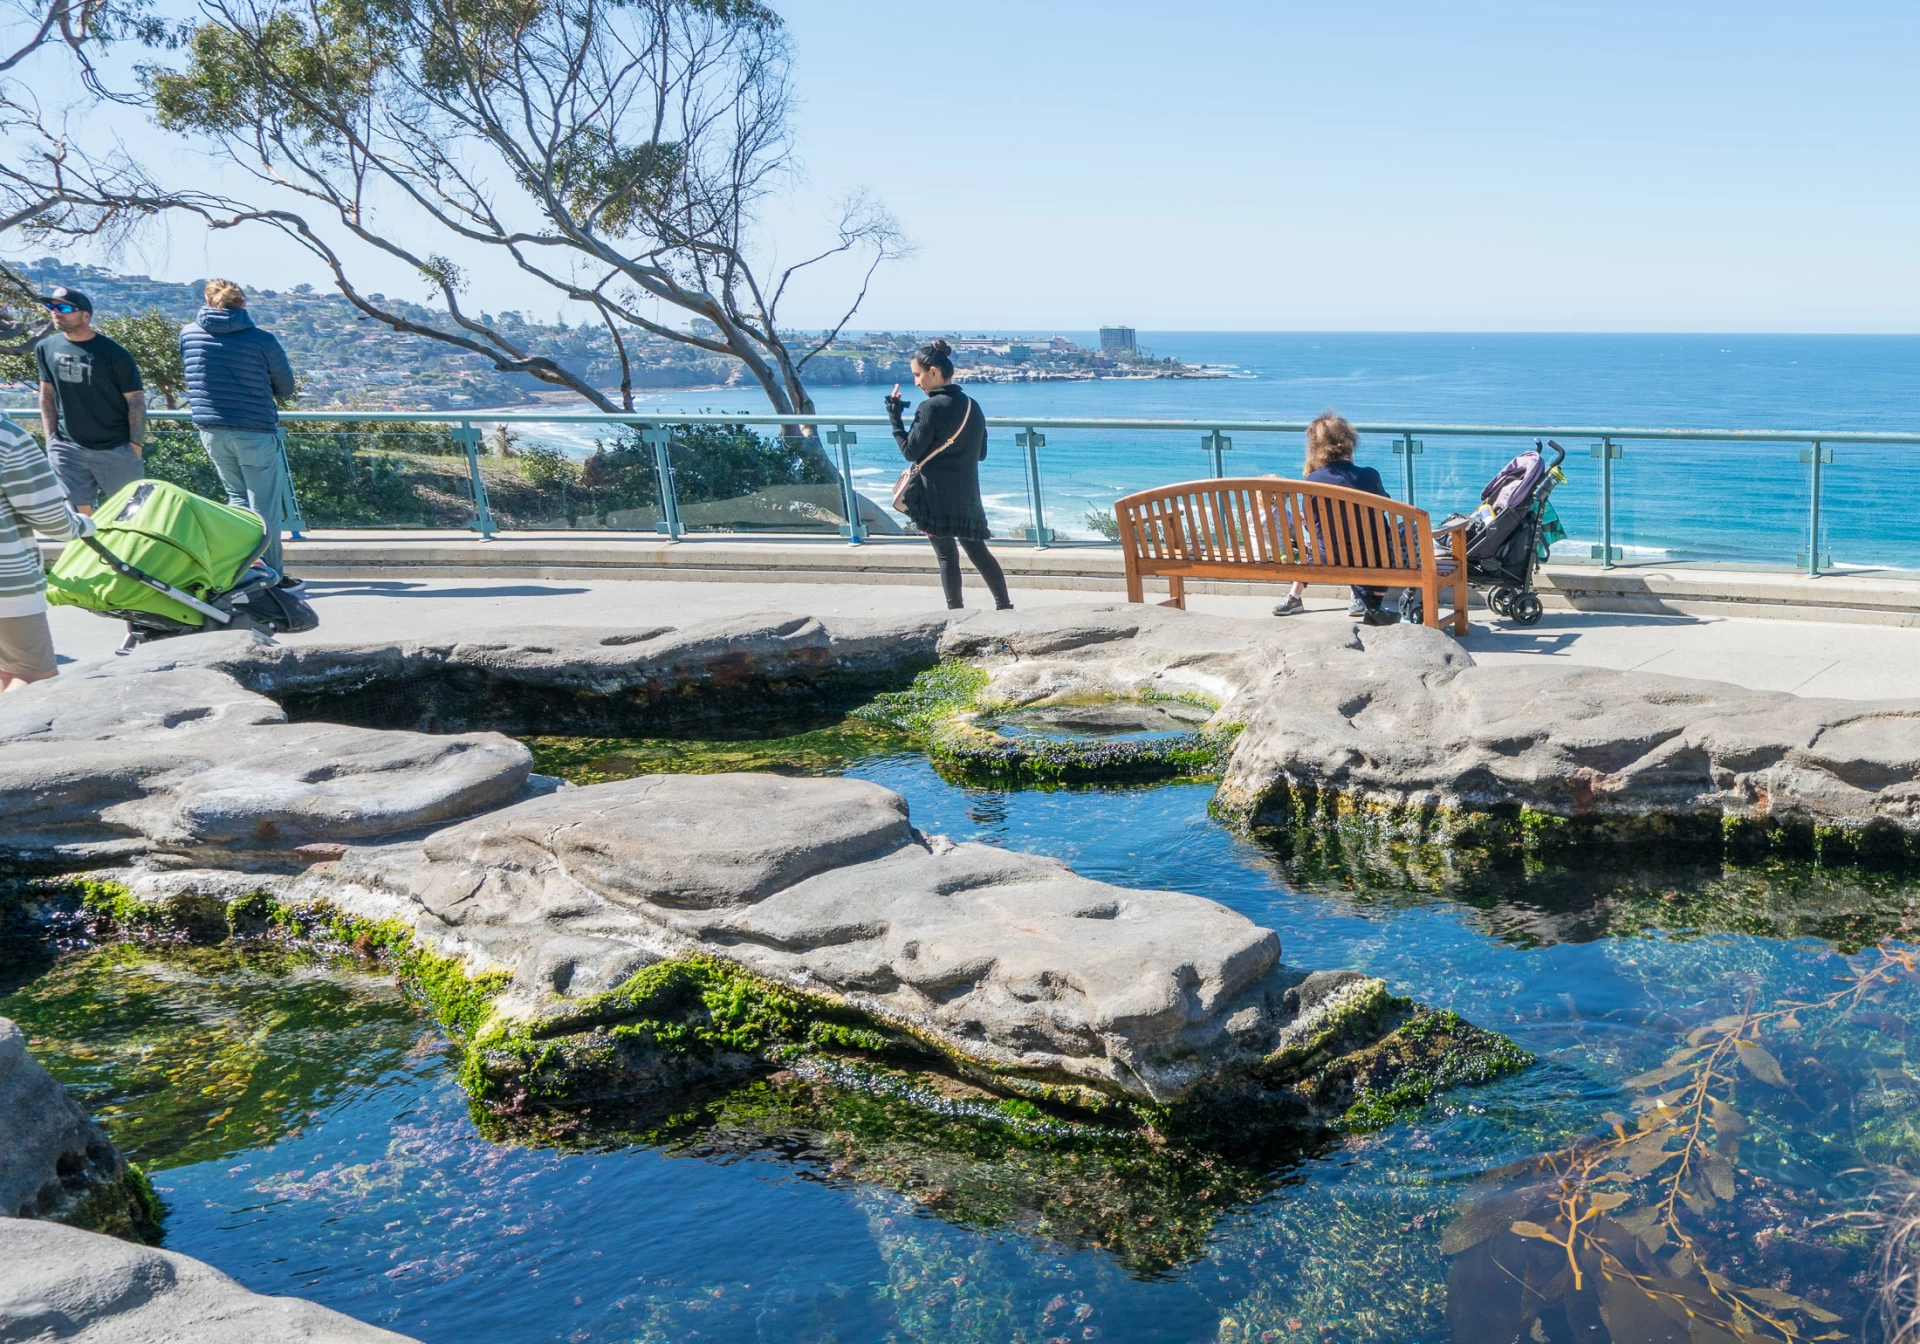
1329 439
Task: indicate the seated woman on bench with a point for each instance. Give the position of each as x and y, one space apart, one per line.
1330 446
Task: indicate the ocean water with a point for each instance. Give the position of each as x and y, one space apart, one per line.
1717 501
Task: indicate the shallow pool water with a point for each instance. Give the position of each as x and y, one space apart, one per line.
302 1123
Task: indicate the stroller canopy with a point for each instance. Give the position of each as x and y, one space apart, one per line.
196 545
1515 483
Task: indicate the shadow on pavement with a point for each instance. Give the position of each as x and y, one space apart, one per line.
318 588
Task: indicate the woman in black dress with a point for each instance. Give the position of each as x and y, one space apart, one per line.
947 441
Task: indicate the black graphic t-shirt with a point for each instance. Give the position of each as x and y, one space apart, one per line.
91 379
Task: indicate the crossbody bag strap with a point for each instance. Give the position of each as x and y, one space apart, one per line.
951 440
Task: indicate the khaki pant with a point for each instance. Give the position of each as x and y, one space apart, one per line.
26 646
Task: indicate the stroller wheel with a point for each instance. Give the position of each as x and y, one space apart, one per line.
1525 608
1497 599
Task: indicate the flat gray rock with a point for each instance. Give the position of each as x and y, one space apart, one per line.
1006 960
183 760
1400 722
55 1162
62 1283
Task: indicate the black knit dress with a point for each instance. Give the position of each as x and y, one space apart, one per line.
949 503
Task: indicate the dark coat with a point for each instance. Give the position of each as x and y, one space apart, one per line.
949 504
234 371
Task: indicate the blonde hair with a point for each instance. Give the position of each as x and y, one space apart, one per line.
225 294
1329 439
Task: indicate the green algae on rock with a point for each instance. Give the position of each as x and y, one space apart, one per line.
817 751
1532 899
971 736
959 1153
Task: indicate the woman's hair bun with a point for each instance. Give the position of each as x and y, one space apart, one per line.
935 354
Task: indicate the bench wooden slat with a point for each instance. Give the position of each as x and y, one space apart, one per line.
1266 528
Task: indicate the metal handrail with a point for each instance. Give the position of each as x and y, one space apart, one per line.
1816 449
1395 427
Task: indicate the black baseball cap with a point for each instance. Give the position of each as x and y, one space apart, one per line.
61 294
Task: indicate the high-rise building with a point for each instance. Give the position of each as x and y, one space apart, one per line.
1118 341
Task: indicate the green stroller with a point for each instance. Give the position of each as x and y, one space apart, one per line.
168 562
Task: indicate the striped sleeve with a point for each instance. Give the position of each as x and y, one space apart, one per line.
32 491
30 501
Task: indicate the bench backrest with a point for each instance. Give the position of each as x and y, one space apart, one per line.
1267 521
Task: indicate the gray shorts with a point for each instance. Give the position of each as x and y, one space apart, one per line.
89 475
26 646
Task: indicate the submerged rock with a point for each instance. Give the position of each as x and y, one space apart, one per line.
62 1283
55 1162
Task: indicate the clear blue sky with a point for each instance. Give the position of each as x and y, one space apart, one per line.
1216 165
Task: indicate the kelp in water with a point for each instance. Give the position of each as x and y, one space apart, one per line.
1636 1229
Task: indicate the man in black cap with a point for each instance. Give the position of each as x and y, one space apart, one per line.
92 406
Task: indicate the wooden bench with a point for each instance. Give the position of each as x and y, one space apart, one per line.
1265 528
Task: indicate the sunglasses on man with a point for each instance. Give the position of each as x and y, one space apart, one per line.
61 307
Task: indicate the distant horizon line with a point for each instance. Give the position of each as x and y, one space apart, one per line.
1361 331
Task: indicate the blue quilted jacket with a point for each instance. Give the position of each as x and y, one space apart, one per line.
234 371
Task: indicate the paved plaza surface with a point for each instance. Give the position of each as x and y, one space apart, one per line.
1806 657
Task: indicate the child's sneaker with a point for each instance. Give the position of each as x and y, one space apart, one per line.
1290 606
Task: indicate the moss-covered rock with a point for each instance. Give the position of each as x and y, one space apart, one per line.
1078 738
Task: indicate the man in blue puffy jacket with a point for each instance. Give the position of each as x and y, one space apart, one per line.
234 372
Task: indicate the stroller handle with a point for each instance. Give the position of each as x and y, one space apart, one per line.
1561 452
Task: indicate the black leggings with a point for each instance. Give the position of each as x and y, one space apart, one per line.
945 548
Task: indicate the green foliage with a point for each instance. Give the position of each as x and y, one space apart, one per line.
1103 522
615 188
343 480
153 339
174 453
546 469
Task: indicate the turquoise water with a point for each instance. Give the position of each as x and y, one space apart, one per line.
371 1190
1713 501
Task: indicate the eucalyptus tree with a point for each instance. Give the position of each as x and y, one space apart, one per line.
617 151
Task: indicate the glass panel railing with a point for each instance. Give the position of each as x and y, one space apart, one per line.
346 474
1736 503
729 478
572 474
1866 513
555 477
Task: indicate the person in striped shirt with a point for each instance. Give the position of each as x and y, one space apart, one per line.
31 501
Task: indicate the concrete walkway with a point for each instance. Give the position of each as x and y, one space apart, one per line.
1807 657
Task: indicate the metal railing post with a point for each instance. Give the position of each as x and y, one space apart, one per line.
296 525
1213 441
469 438
1815 457
1406 450
1040 534
660 438
1608 452
843 438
